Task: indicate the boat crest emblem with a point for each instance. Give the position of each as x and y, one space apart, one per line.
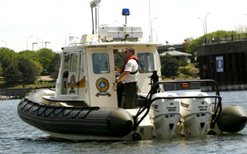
72 84
102 85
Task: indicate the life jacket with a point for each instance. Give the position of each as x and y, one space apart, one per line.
132 57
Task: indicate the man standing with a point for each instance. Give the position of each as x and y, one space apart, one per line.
128 76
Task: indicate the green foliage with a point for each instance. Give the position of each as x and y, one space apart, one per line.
27 69
45 58
38 66
169 66
182 63
189 70
24 66
54 68
119 59
11 73
220 33
6 53
6 57
187 42
194 71
1 69
21 69
192 47
184 70
31 55
9 66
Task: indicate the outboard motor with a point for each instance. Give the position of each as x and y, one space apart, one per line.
165 114
195 114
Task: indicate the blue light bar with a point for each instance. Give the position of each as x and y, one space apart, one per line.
126 12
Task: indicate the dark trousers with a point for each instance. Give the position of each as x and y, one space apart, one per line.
120 90
130 93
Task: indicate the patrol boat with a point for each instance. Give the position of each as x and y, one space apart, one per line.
84 106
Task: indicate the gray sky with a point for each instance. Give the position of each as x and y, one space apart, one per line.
54 20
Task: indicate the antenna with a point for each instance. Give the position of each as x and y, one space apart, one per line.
95 4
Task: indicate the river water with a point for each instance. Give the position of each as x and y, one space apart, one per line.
16 137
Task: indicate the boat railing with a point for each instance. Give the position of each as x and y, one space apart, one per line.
79 44
149 100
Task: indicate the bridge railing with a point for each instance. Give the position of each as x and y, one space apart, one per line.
224 39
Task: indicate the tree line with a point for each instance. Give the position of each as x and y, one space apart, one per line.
23 67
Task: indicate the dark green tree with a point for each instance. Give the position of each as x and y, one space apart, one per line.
54 68
31 55
187 42
45 58
6 53
39 67
9 66
20 70
34 58
11 74
169 66
27 69
119 59
1 70
6 56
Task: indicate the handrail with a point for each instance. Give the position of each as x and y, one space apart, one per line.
223 38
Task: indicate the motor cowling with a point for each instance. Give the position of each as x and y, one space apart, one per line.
195 113
165 114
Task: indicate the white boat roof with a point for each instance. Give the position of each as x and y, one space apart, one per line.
115 44
114 36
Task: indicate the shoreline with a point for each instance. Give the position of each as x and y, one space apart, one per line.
8 97
7 94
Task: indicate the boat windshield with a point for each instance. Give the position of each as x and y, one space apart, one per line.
73 62
101 63
146 62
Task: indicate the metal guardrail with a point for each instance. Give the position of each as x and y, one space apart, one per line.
224 39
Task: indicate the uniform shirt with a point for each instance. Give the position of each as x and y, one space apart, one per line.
131 66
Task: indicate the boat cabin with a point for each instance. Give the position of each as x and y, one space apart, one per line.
87 70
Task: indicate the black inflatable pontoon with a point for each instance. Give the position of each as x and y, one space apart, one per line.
76 120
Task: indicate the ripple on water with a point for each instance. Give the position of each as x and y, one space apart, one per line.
18 137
